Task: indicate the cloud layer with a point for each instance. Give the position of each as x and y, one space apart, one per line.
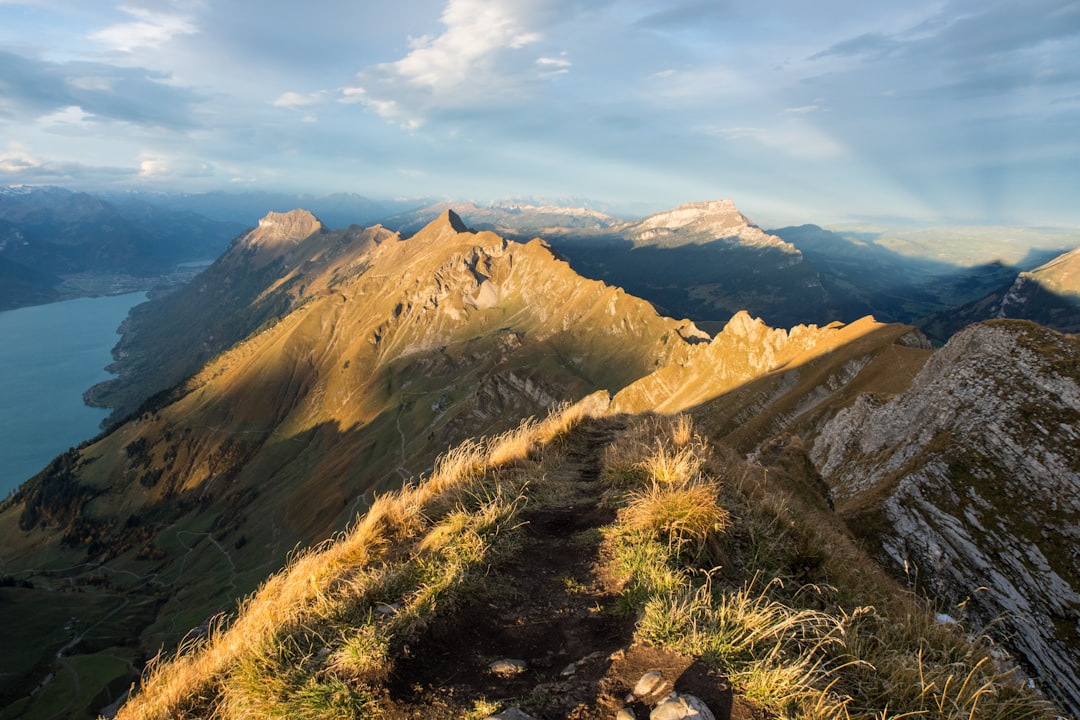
957 112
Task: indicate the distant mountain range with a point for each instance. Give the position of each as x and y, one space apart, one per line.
48 235
706 261
702 261
267 403
338 210
1049 295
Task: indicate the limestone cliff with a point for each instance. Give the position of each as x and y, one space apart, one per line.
971 481
706 222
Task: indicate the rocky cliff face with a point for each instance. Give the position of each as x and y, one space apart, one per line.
705 222
971 481
746 349
1049 294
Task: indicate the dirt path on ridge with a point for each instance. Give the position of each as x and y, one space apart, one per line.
552 609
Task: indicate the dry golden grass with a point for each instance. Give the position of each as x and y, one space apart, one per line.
666 448
565 416
682 430
319 638
684 515
513 446
673 467
790 647
308 641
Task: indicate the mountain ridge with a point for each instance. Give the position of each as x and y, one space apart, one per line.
348 361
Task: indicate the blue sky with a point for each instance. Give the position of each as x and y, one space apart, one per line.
833 111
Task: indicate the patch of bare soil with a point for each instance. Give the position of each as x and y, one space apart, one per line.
555 612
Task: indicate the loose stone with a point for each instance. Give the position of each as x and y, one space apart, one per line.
649 683
507 667
681 707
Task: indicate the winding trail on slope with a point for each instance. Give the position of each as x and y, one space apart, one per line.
552 606
70 667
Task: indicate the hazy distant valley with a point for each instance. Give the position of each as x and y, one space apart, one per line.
269 401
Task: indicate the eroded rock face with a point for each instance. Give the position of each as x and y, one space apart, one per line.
976 472
704 222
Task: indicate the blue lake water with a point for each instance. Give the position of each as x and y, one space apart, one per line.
49 356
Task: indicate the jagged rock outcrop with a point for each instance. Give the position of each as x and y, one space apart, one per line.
286 229
971 481
748 351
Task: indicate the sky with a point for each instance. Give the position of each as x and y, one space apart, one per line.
928 111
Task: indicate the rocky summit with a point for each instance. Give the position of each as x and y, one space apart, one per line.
705 222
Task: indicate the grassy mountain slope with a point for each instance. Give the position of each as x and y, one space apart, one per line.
285 436
590 550
286 260
383 352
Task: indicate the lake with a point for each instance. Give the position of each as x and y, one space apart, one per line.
49 356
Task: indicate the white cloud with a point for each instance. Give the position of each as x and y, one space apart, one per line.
155 165
479 56
149 29
554 65
72 115
18 159
387 109
475 31
296 100
802 109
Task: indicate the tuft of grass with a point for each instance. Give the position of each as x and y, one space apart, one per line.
684 515
643 566
628 460
363 652
673 467
729 626
482 708
682 430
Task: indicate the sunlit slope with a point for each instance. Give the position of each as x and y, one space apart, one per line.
286 436
286 260
615 559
